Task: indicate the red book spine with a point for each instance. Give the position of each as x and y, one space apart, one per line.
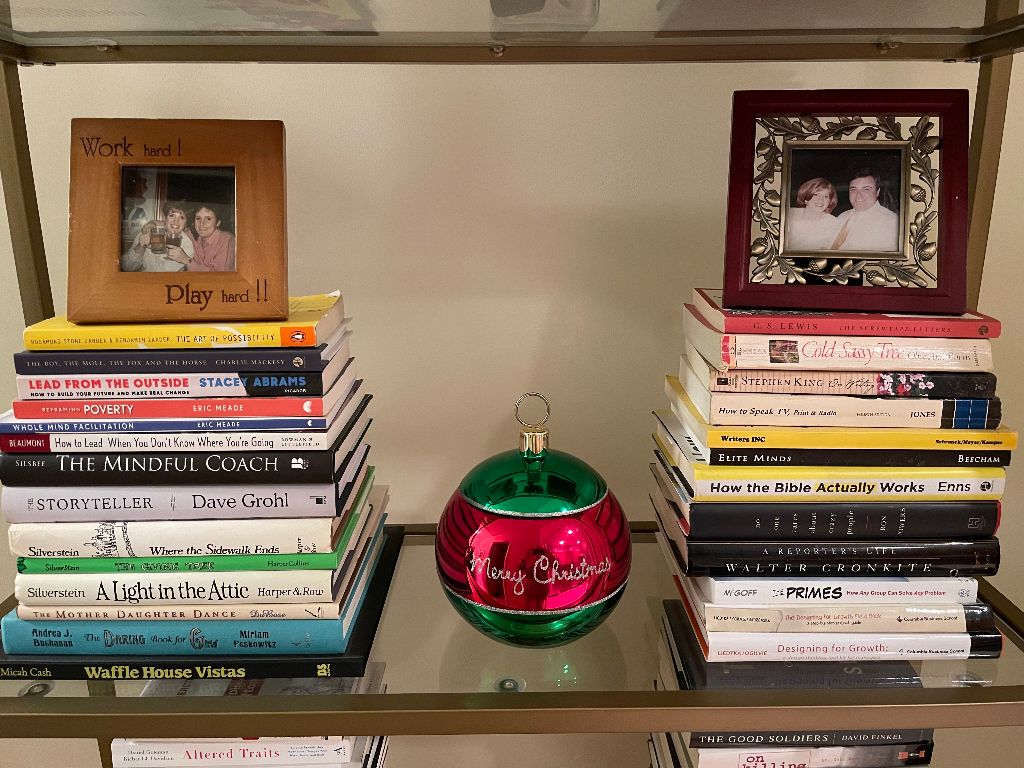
25 443
174 408
857 326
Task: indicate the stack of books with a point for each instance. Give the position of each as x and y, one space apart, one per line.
683 667
259 752
190 490
827 484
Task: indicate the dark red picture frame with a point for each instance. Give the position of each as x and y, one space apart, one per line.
948 254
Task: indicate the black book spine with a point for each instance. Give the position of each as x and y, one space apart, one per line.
351 663
979 617
833 521
171 361
698 673
941 385
185 468
855 457
879 736
919 557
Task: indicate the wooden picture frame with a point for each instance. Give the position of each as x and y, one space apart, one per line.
893 163
129 261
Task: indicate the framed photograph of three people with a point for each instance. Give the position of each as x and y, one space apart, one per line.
177 220
848 199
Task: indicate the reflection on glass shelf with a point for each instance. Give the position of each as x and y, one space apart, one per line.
33 20
428 648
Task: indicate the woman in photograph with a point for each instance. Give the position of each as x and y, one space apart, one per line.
214 248
810 225
170 255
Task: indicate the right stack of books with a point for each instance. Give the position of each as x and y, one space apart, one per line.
827 487
812 460
191 491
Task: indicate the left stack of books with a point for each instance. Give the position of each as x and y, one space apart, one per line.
190 490
824 481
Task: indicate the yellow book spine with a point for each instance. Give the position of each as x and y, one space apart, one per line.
903 438
163 336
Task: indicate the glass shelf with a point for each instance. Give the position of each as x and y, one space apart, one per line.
444 677
505 30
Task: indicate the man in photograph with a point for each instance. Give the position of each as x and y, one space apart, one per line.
868 225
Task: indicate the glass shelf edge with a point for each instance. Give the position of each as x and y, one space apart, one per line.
483 713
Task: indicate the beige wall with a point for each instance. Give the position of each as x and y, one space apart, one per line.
497 230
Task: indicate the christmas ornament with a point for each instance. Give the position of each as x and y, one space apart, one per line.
532 548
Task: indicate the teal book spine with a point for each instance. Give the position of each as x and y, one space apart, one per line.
171 638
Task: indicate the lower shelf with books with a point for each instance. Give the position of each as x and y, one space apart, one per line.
443 677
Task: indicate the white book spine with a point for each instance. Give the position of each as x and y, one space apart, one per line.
154 502
781 757
859 353
879 591
137 386
754 646
736 409
190 441
166 538
820 618
263 752
172 589
244 611
785 351
987 486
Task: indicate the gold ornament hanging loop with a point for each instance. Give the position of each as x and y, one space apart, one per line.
533 438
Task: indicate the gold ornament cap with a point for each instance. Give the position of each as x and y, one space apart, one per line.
533 438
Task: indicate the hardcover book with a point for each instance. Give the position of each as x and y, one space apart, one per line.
806 410
917 557
191 407
866 646
169 538
203 638
972 325
723 483
826 619
130 468
298 438
694 672
825 520
906 438
311 321
351 663
931 384
792 351
280 750
213 360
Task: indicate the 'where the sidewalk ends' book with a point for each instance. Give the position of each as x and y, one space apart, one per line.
897 438
971 325
192 637
350 663
311 320
790 351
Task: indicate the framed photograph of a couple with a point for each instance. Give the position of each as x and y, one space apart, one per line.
176 220
848 200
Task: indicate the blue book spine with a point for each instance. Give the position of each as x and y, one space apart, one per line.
10 426
171 638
